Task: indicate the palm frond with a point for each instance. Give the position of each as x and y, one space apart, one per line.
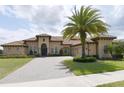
86 20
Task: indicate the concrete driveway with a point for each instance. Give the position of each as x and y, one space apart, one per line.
39 69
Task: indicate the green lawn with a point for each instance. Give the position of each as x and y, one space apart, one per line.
96 67
114 84
11 64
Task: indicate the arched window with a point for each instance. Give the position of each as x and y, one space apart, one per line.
31 52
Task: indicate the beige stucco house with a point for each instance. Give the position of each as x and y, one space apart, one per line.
45 45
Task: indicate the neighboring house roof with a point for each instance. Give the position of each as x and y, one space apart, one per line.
104 37
118 40
73 42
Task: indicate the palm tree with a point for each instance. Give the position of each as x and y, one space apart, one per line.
84 22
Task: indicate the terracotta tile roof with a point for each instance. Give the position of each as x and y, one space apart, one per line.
60 38
16 43
104 36
31 39
56 38
44 34
73 41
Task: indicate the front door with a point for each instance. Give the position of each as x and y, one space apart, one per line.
43 50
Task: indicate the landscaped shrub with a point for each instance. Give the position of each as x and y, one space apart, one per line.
15 56
117 57
37 55
54 55
1 52
31 52
84 59
96 56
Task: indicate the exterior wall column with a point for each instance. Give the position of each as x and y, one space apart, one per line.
101 44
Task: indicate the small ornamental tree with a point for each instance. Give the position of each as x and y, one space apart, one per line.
110 49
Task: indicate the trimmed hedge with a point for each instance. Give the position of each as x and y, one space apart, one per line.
54 55
117 57
84 59
16 56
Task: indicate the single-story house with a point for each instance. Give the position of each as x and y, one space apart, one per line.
45 45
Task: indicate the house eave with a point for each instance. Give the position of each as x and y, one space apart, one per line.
14 45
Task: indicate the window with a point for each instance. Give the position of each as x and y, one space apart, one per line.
35 51
105 49
31 52
9 48
52 50
65 50
30 47
56 50
17 48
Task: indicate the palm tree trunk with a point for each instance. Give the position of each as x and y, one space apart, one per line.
88 48
83 49
83 38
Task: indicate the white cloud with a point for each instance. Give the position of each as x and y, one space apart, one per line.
118 12
51 19
43 19
49 15
19 34
24 11
5 10
46 18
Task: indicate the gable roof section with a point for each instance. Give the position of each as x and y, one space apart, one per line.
43 35
56 38
15 43
70 42
31 39
76 41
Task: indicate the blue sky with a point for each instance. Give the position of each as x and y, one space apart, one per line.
21 22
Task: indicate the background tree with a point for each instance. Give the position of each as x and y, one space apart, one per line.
110 49
83 22
116 50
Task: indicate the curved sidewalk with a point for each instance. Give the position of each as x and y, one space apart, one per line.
74 81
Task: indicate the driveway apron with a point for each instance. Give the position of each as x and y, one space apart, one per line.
39 69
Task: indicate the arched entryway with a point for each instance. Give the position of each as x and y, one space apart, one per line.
43 50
